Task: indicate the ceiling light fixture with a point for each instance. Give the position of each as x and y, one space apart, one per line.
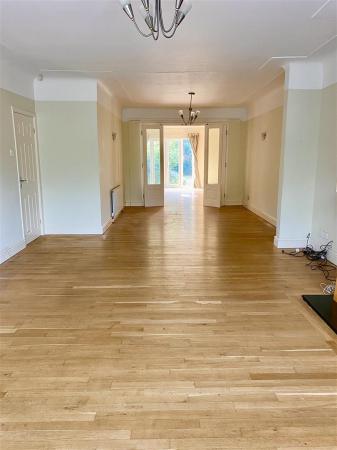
192 115
151 10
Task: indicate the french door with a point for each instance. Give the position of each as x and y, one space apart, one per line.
214 145
153 165
28 175
179 163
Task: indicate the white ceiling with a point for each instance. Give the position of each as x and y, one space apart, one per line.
218 51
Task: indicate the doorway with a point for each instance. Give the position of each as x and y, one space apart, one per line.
28 174
183 162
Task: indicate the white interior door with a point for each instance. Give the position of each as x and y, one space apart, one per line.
28 175
213 164
153 165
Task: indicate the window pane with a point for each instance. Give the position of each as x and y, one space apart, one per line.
173 161
153 156
187 164
213 155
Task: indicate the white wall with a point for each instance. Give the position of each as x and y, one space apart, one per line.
16 90
68 140
307 195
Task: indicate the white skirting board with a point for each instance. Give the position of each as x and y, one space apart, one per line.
261 214
289 243
8 252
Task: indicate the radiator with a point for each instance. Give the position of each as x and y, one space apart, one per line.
117 201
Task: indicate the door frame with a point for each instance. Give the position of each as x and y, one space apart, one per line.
144 127
23 112
223 158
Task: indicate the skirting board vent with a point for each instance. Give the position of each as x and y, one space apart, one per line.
117 202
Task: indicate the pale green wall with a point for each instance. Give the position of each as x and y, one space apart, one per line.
132 164
69 161
298 165
11 234
324 220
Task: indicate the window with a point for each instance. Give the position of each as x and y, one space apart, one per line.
153 156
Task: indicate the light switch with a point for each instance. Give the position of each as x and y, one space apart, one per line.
11 152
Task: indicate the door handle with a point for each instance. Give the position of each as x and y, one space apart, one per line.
23 180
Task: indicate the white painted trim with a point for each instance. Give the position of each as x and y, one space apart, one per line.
170 115
65 90
304 75
289 243
17 79
131 203
107 225
263 215
266 103
332 256
8 252
117 215
232 203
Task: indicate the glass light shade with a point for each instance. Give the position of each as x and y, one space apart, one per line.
144 12
186 7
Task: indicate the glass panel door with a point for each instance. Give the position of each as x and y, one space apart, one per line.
153 165
188 169
179 163
173 162
153 156
213 156
213 169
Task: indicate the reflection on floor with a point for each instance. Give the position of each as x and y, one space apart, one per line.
181 328
182 200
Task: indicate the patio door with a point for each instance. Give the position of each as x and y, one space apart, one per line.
153 165
179 163
213 164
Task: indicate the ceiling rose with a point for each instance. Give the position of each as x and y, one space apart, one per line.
151 10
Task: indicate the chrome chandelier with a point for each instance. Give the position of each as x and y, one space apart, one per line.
192 115
151 10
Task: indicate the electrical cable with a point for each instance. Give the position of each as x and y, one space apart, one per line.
318 260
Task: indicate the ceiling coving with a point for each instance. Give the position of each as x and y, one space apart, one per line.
151 10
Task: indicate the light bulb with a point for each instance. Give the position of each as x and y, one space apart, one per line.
181 112
143 11
127 8
186 7
183 11
146 4
147 15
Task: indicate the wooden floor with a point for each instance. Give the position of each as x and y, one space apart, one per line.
180 329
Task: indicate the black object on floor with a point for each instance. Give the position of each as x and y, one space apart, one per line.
325 307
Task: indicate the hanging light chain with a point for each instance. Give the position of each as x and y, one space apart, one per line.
192 115
153 16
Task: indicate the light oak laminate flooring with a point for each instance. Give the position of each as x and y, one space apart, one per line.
180 329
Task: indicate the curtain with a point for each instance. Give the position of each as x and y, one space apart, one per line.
194 140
